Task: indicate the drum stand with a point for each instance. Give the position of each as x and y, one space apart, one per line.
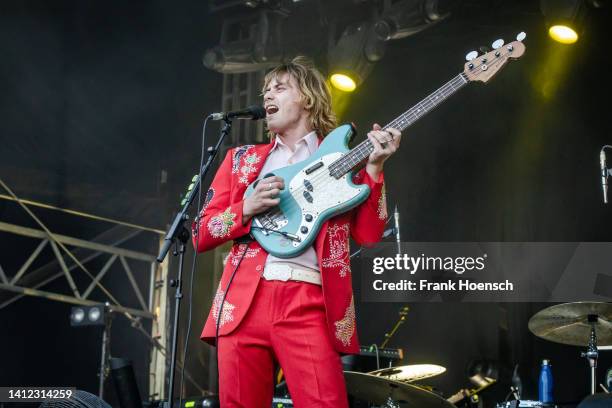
592 353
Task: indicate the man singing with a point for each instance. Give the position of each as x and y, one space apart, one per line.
302 324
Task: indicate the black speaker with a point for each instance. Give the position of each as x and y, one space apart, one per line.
125 383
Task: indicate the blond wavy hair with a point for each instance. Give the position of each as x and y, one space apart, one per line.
315 92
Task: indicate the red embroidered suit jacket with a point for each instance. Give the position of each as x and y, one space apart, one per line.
221 221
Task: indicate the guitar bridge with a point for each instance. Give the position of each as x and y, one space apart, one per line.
273 222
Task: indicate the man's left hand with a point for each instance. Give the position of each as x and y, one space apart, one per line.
385 143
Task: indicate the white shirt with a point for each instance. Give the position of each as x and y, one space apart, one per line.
281 155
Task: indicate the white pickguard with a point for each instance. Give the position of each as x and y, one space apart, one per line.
327 192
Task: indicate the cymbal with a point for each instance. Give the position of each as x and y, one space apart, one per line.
378 390
570 323
410 373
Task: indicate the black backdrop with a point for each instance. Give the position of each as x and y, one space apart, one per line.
99 97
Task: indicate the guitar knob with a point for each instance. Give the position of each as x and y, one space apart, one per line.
497 44
521 36
308 217
471 55
303 230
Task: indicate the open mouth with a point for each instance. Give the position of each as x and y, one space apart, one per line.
271 109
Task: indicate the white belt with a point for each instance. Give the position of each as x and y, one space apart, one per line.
285 272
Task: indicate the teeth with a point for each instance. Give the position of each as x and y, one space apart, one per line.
270 109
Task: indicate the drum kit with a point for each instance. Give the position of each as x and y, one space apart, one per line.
584 324
393 387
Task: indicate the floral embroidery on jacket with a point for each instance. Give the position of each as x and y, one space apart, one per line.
227 314
382 204
345 327
219 226
338 249
250 160
236 253
238 153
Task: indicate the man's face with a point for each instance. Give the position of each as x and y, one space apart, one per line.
283 104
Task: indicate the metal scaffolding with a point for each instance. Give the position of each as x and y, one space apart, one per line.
67 262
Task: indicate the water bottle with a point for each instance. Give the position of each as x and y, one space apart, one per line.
545 388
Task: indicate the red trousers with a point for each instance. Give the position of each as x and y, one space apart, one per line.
285 323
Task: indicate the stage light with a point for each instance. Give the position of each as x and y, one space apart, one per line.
566 19
88 315
77 315
94 314
352 58
408 17
563 34
261 50
343 82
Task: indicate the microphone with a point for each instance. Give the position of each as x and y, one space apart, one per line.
253 112
397 230
604 174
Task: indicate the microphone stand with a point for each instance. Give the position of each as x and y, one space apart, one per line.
177 231
605 172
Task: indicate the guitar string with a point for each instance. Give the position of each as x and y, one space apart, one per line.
348 161
345 163
408 118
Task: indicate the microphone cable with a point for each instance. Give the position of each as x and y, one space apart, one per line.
193 266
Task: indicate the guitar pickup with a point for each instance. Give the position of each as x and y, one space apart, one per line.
313 168
308 185
308 196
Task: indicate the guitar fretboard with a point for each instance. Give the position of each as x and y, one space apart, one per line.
360 152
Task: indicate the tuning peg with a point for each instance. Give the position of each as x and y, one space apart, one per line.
497 44
471 55
521 36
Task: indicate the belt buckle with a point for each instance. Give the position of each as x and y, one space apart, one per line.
280 272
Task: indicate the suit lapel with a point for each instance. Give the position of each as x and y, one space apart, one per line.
248 162
262 150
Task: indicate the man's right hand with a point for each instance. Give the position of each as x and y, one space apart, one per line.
263 198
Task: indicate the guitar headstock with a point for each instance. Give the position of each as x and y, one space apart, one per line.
482 68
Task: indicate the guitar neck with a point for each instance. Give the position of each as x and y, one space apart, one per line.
360 152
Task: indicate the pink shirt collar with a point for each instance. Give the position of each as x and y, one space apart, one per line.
311 140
